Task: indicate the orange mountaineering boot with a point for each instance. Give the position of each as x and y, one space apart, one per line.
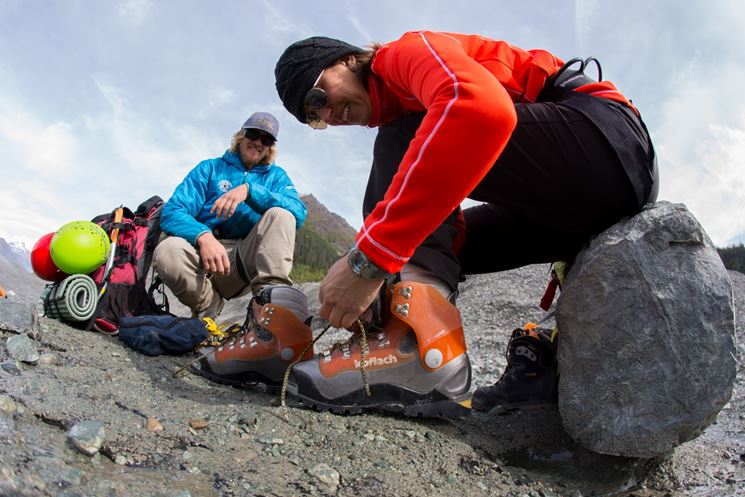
415 363
277 335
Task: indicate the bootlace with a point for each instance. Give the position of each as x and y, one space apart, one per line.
361 336
219 336
508 369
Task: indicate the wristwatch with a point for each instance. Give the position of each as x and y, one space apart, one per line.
364 267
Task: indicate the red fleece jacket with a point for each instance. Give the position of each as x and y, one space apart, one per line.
467 85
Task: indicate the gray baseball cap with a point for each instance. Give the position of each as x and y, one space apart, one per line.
263 121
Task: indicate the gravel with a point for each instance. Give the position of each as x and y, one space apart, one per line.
244 445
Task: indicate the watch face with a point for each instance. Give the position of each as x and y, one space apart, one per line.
363 267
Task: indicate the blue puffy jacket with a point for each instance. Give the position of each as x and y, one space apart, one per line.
187 213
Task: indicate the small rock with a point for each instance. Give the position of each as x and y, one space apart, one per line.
70 476
23 348
11 367
87 436
269 439
154 425
15 316
249 418
184 493
327 475
193 470
198 424
48 359
7 405
186 456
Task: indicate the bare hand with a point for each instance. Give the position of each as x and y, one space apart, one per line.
345 295
213 254
225 206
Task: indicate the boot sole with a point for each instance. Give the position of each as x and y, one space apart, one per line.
260 383
414 405
517 406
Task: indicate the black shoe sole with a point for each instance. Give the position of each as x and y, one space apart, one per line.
408 403
252 381
514 406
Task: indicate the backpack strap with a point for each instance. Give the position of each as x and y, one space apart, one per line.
558 273
143 210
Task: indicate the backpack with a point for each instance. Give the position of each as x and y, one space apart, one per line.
125 286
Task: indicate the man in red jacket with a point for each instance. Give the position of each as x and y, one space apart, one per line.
554 156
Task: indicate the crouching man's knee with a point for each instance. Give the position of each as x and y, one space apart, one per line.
172 256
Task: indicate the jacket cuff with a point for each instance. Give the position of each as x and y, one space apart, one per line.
194 242
379 256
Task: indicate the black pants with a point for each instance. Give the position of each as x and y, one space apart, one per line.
559 180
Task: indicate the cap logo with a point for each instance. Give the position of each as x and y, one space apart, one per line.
266 123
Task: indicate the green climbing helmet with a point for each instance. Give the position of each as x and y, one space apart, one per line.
80 247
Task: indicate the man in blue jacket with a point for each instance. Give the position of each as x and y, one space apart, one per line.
231 229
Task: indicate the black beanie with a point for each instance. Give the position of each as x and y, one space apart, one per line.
300 65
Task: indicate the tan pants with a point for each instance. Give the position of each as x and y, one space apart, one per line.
264 257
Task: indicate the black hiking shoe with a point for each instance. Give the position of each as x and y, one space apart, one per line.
530 379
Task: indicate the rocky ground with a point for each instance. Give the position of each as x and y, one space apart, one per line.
186 437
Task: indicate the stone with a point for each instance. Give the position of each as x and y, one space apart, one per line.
87 436
646 350
48 359
23 348
16 316
7 404
154 425
198 424
326 475
11 367
269 439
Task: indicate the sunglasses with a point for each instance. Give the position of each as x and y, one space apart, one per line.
315 100
254 134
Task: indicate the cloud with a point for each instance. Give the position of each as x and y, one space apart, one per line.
278 22
711 183
217 99
701 145
157 150
39 144
134 12
360 28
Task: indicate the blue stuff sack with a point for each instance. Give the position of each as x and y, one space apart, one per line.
164 334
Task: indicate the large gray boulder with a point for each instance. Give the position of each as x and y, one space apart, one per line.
647 347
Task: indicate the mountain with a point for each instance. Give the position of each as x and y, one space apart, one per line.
328 225
16 276
324 237
15 254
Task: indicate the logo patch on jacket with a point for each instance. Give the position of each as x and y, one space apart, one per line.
225 186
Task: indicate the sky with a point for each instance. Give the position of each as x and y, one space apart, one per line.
106 102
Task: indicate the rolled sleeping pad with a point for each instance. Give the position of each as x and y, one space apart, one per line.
72 299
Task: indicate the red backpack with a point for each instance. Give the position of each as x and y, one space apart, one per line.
123 288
